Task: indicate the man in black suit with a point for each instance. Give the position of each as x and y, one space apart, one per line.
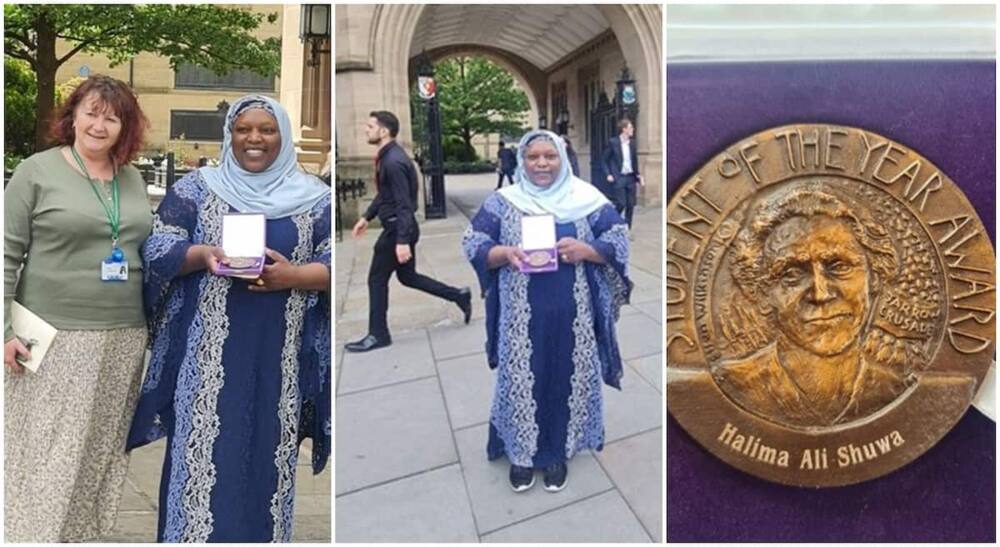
621 167
506 164
396 248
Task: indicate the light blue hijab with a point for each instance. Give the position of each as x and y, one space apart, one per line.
281 190
568 198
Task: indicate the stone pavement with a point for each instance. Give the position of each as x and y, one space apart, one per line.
137 514
411 419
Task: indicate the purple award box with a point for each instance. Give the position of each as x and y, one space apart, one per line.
944 110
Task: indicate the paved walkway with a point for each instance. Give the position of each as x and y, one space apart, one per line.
412 418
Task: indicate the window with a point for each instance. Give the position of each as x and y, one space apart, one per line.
197 125
588 79
190 76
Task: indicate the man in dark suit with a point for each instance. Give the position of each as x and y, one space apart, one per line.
396 248
506 163
621 167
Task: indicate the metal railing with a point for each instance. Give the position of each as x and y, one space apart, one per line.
346 189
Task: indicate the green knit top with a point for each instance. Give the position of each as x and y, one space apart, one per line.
56 234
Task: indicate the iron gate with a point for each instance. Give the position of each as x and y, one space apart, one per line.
604 119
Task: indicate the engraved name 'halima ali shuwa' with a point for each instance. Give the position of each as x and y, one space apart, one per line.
830 305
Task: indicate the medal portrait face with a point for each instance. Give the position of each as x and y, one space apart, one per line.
830 305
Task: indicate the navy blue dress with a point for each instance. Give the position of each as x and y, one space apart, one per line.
550 336
236 379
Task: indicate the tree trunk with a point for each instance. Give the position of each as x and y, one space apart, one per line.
47 65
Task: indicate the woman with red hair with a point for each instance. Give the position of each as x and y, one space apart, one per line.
75 218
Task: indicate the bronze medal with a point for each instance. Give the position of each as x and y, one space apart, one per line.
830 305
538 259
241 262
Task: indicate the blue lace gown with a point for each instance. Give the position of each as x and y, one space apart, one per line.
550 336
236 379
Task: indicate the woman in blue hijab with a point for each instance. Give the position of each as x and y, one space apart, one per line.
550 336
239 371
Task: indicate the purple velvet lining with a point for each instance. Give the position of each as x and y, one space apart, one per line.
945 111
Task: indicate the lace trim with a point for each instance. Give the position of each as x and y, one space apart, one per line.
160 227
285 454
161 343
617 236
584 429
323 247
207 363
514 407
191 187
472 241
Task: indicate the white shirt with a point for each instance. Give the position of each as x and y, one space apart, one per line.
626 156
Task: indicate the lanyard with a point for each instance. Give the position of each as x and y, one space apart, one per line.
114 211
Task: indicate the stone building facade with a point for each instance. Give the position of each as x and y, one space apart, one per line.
563 56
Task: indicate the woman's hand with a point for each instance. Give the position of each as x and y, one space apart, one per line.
574 251
214 257
203 257
11 350
502 255
282 275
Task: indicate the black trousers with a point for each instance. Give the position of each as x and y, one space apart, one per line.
384 262
501 175
624 199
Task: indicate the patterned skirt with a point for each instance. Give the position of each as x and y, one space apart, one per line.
64 436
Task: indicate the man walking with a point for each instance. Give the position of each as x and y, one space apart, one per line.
621 165
396 248
506 163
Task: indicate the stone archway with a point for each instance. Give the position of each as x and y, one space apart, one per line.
395 35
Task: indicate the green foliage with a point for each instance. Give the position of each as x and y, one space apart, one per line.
218 38
452 167
477 97
455 149
20 88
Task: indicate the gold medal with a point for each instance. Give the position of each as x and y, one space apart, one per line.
830 305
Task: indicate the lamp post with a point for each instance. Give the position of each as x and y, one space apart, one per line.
314 29
433 165
562 122
627 99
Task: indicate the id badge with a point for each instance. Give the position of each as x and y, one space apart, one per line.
114 271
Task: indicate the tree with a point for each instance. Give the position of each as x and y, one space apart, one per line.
478 97
213 37
18 108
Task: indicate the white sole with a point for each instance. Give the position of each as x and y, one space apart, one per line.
524 488
555 489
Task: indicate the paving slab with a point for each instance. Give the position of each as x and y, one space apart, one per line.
493 502
651 368
391 432
604 518
468 386
639 336
652 308
408 358
311 529
636 408
635 466
431 507
458 340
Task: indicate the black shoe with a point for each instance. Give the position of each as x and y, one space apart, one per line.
367 343
555 477
464 303
521 478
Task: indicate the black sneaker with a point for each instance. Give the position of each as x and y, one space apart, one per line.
555 477
521 478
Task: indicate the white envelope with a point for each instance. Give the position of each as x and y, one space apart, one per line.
29 326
